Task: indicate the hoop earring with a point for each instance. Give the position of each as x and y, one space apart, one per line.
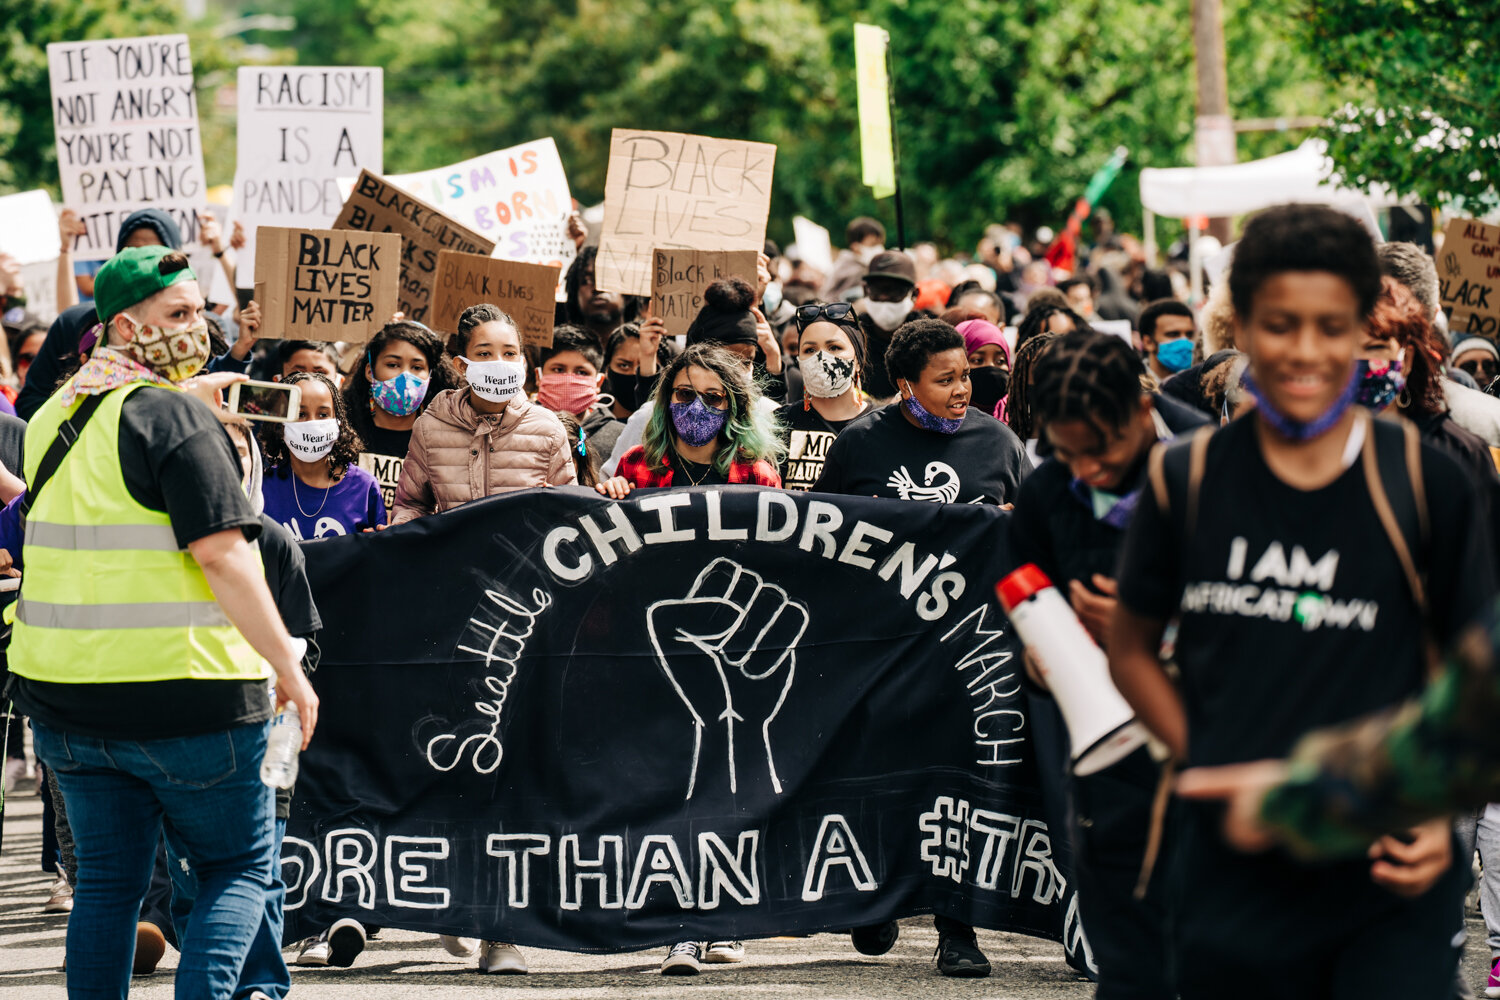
1403 399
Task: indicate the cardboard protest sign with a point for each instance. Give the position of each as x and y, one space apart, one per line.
300 129
1469 278
375 205
675 191
523 290
325 284
28 227
126 118
679 278
517 197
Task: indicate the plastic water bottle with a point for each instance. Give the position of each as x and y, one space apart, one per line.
279 768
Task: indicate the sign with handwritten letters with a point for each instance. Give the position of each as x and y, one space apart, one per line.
1469 278
602 723
676 191
326 284
679 278
126 118
523 290
300 129
375 205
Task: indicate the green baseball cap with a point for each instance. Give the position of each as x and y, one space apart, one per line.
134 275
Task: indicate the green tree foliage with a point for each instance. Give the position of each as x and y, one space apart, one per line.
1423 80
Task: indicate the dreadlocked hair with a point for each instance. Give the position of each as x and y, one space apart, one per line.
345 450
749 435
1018 406
1035 321
439 372
1088 376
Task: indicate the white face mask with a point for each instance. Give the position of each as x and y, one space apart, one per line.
310 440
826 376
888 315
496 381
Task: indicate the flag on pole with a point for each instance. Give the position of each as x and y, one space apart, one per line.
877 153
1064 250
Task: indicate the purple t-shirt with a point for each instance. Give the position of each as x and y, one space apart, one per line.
352 504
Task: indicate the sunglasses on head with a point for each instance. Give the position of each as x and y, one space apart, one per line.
834 312
712 398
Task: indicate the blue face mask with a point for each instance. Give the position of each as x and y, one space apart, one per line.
1175 355
1298 430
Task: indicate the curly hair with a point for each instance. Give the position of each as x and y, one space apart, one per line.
1304 238
345 450
750 434
1018 406
441 375
913 345
1088 376
1400 317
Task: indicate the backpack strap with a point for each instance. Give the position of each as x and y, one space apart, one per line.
1409 520
1197 462
67 436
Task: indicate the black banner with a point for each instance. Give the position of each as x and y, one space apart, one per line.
727 713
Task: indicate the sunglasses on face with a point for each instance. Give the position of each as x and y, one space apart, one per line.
712 399
834 312
1485 365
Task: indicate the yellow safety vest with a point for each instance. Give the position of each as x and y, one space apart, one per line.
107 595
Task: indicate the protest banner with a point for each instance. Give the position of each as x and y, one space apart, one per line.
517 197
300 129
680 192
325 284
1469 277
126 118
555 752
28 227
525 291
377 206
679 278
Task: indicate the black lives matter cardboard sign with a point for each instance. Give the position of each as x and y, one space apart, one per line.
679 278
525 291
377 206
1469 278
325 284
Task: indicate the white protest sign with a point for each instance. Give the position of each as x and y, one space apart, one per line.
517 197
28 227
300 129
1116 327
814 243
40 282
126 118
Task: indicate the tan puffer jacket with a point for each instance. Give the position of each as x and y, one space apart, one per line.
458 454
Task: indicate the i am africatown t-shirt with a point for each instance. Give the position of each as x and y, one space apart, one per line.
808 437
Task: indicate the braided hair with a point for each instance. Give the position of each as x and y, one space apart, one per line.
1036 318
1087 376
1018 403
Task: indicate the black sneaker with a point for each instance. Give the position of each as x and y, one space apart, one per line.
346 939
876 939
960 956
684 959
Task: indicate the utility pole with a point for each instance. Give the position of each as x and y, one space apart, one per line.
1215 143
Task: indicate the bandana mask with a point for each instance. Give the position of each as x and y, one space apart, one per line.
1175 355
399 396
1380 382
697 423
825 376
310 440
927 420
173 354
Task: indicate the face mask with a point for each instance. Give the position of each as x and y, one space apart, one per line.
1379 383
310 440
825 376
697 423
867 254
1175 355
888 315
988 387
172 354
400 396
496 381
567 393
929 421
771 301
1299 430
623 387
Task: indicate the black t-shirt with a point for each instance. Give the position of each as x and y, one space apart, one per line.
882 454
1294 612
13 444
175 457
686 473
808 437
383 441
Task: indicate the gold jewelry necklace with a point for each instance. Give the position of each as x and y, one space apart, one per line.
682 465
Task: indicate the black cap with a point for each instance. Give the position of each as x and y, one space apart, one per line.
893 264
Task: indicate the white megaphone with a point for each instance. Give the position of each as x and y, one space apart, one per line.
1101 726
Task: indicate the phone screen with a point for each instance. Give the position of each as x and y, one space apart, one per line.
259 400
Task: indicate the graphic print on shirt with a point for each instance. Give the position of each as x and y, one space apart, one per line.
806 452
940 484
387 472
325 528
1280 586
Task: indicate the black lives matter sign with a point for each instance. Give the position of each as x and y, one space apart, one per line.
325 284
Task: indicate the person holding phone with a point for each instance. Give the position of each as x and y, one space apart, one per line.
146 678
313 486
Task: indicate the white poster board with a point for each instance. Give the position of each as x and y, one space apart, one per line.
28 227
300 129
126 117
814 243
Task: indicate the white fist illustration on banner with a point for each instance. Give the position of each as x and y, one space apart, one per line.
729 649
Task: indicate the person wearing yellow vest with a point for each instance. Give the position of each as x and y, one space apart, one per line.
145 636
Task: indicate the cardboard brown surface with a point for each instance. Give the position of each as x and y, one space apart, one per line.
325 284
1469 278
377 206
525 291
675 191
679 278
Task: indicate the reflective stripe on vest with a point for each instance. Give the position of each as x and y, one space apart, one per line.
189 614
101 537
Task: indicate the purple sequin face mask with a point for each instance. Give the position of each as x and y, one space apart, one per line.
928 420
697 423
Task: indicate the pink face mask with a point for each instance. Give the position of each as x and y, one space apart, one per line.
566 392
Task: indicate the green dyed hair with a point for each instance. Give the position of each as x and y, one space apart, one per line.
751 434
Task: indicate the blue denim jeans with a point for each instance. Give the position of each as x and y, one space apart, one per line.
118 792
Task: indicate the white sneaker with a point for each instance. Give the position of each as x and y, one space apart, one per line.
314 952
15 773
459 947
503 959
724 952
684 959
346 939
61 898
